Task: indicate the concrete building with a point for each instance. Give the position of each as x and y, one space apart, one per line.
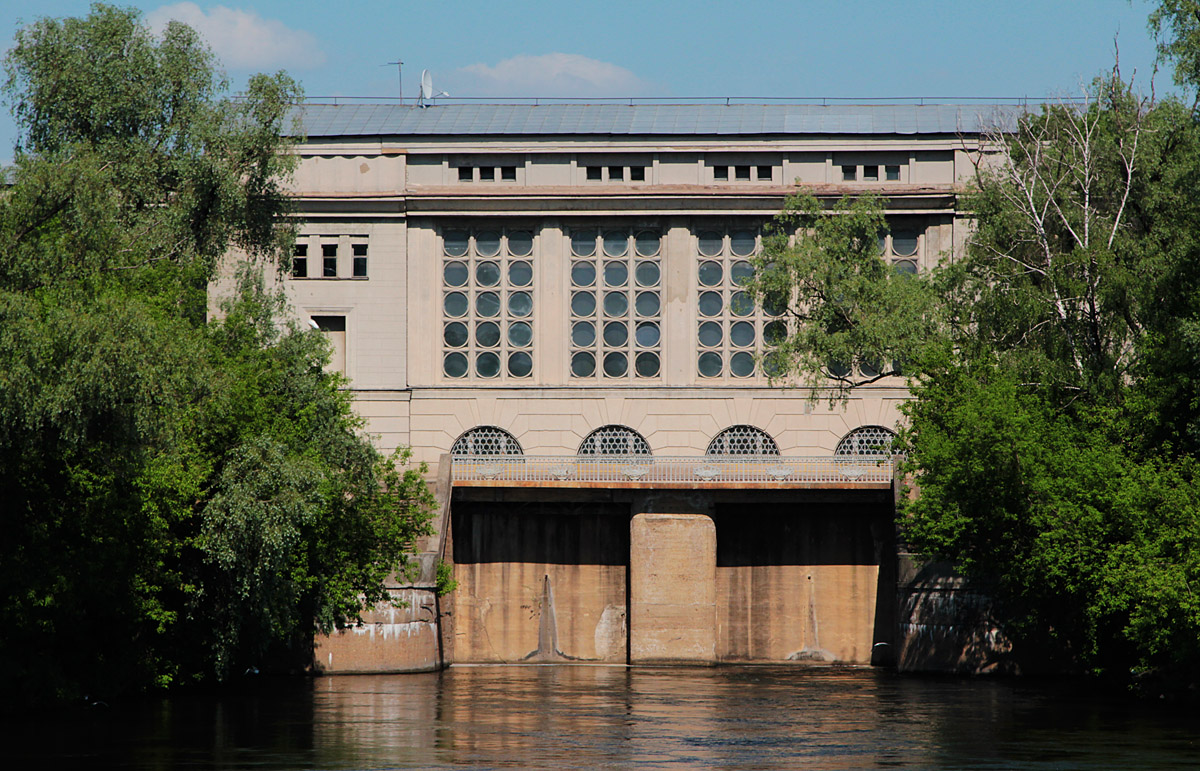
551 295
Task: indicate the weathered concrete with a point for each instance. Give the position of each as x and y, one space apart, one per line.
672 588
398 636
539 582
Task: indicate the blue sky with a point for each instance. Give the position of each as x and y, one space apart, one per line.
804 48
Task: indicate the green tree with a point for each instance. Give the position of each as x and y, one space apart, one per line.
184 498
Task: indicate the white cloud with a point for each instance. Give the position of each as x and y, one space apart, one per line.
243 39
554 74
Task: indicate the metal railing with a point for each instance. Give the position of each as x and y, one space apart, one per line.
690 472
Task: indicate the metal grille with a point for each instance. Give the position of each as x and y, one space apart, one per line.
867 440
742 440
614 440
486 440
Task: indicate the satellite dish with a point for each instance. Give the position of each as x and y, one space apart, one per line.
426 86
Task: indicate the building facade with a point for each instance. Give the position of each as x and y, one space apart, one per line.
560 282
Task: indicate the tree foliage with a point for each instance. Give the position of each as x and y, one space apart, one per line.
183 498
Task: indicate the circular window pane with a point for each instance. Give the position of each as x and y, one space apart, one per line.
774 306
647 334
741 304
583 364
616 304
456 243
520 273
710 303
869 368
772 367
583 333
742 243
616 274
583 274
838 369
904 244
455 273
616 243
647 274
647 243
583 243
487 304
881 244
455 304
905 267
583 303
616 333
520 364
487 273
520 304
741 334
520 334
775 333
741 272
647 304
487 244
741 364
487 334
455 365
710 364
487 365
711 334
711 273
520 243
616 365
455 334
711 243
646 365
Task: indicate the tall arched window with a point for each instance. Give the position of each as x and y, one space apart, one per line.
867 440
742 440
614 440
486 440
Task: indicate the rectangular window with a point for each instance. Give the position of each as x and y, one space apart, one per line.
329 260
637 173
870 173
334 329
616 173
487 174
743 172
893 173
849 173
466 174
360 260
508 172
595 173
300 261
765 173
721 173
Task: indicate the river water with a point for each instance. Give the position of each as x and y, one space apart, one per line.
555 716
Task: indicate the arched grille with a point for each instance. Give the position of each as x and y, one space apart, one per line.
486 440
742 440
866 440
614 440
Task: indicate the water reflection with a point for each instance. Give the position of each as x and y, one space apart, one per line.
614 717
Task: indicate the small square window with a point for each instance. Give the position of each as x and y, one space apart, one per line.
870 173
849 173
508 172
616 173
300 261
721 172
595 172
487 174
637 173
360 260
466 173
765 173
743 172
893 173
329 260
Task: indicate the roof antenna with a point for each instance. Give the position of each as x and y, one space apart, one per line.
399 77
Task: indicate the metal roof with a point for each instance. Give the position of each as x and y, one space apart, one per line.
328 120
